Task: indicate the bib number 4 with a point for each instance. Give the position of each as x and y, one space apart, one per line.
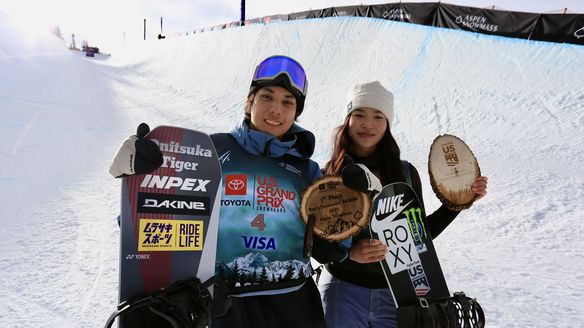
258 222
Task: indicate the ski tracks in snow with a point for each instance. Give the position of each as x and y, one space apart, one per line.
70 264
95 257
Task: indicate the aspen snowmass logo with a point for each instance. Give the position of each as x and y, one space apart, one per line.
398 14
579 33
476 22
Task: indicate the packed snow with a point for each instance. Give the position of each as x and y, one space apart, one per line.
518 104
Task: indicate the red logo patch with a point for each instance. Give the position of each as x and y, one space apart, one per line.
236 184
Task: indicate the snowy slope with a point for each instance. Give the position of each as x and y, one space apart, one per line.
518 104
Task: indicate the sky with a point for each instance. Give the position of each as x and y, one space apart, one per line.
518 104
109 23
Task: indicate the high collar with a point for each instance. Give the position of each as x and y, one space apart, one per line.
296 141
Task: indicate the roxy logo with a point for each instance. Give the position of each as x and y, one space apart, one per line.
177 148
172 204
235 184
395 233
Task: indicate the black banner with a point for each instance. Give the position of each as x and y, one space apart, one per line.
568 28
253 21
305 14
275 18
512 24
518 25
354 11
560 28
417 13
328 12
465 18
233 24
360 11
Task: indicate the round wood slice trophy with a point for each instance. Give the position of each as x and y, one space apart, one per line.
453 168
333 211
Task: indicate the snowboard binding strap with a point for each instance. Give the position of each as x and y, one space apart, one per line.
457 311
185 303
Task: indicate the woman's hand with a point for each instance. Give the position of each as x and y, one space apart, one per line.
367 251
480 187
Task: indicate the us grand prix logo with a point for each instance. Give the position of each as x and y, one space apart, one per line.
270 196
236 184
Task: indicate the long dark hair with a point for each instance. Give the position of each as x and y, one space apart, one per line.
387 151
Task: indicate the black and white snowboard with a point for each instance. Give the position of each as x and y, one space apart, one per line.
411 265
170 217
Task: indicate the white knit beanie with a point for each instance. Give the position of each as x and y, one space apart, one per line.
373 95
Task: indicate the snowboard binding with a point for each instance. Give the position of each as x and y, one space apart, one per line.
186 303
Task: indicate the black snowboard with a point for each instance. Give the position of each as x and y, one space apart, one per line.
411 265
170 217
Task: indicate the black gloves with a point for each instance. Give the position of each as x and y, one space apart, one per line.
359 177
137 155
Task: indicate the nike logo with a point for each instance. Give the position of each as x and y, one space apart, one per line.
393 215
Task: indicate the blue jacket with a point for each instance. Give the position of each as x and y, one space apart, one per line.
297 142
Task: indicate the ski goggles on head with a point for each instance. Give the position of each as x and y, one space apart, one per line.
275 66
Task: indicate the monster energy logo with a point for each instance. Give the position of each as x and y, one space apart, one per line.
417 227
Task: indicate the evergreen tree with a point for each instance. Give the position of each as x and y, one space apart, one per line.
243 277
301 274
289 274
233 275
263 276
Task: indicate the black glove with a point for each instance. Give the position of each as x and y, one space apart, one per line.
137 155
359 177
